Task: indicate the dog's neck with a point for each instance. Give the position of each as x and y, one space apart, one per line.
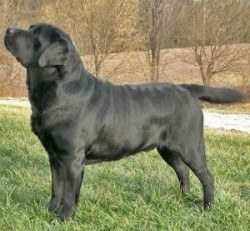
49 85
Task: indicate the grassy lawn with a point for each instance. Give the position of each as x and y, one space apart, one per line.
137 193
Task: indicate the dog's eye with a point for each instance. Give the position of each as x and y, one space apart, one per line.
35 34
37 44
36 39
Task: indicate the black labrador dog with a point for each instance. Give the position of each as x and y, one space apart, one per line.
83 120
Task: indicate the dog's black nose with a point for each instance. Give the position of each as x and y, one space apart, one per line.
10 31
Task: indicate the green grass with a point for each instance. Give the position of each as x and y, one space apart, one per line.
137 193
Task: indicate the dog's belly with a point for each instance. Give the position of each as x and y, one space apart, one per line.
102 152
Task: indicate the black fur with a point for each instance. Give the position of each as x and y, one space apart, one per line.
213 94
82 120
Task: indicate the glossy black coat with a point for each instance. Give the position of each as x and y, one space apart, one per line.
81 119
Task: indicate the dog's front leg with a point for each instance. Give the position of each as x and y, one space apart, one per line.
56 172
73 168
57 184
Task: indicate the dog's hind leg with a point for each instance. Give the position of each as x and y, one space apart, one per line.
197 163
78 187
181 169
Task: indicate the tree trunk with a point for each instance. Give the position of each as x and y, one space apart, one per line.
207 81
205 75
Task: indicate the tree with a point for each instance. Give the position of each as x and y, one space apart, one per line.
214 29
244 70
109 25
156 21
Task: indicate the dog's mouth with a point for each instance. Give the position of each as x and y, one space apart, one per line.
10 45
6 43
21 61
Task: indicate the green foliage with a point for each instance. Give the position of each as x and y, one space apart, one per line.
137 193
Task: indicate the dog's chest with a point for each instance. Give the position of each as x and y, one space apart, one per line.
42 88
37 126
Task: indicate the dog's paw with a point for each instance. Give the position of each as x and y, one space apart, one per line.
208 207
54 204
66 213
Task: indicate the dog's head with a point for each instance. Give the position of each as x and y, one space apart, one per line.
42 44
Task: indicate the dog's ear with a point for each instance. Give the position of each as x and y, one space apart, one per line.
55 55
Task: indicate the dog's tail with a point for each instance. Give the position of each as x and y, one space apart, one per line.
213 94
